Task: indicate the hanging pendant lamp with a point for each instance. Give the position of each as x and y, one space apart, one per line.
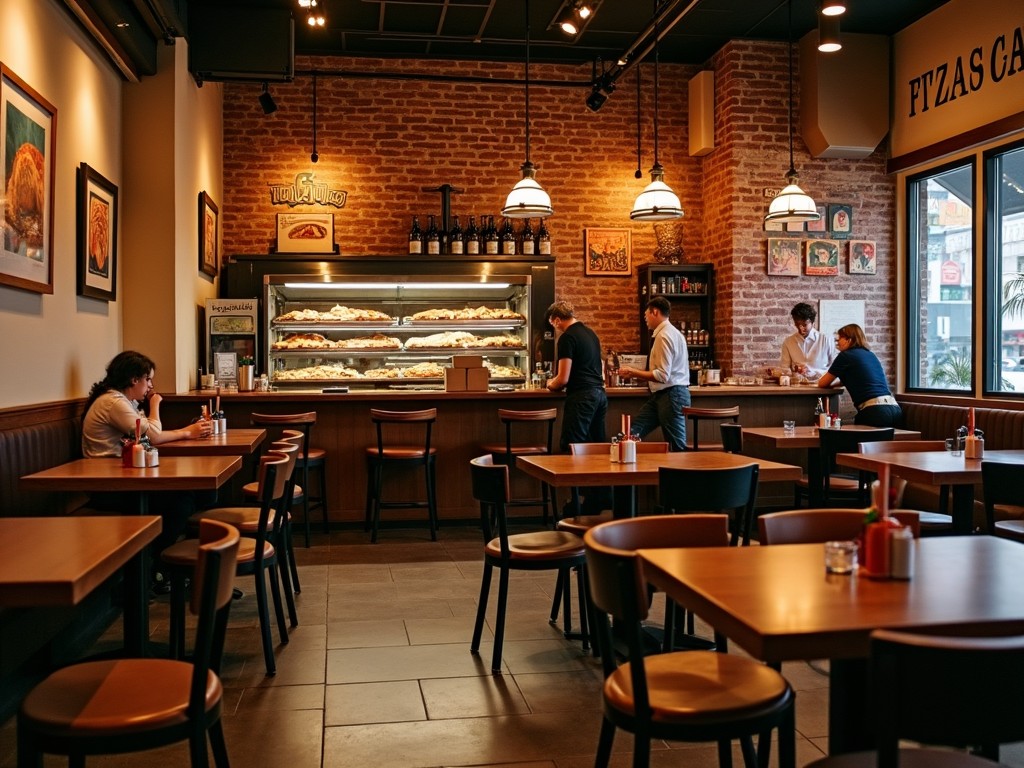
527 198
792 204
657 202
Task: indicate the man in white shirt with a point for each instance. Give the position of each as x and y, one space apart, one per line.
808 351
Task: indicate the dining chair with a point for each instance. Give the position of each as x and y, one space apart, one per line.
938 690
932 523
507 451
712 490
683 695
813 526
696 415
732 437
838 486
1004 492
129 705
540 551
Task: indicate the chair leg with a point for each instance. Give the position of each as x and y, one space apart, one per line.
499 626
750 755
306 491
369 496
581 594
264 616
292 565
286 567
28 755
787 738
197 750
724 754
432 497
604 744
218 745
481 608
566 602
377 478
322 469
275 592
556 601
764 748
641 750
177 618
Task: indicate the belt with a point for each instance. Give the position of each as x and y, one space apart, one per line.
883 400
666 389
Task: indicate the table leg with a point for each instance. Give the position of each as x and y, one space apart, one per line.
849 728
815 481
136 604
963 509
624 501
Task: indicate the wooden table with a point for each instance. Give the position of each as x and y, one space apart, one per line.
234 442
568 471
807 437
52 561
936 468
778 604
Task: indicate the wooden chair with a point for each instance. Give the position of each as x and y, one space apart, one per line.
712 490
955 691
932 523
381 455
732 437
696 415
683 695
256 557
540 551
837 486
812 526
507 452
128 705
1003 488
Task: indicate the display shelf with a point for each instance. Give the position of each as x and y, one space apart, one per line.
689 289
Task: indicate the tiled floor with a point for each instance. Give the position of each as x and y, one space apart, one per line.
379 673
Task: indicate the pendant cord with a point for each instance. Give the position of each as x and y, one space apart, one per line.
527 4
314 157
656 82
789 38
639 173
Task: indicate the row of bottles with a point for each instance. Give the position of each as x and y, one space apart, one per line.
671 284
487 239
700 360
693 334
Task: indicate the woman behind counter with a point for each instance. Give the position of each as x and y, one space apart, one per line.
857 368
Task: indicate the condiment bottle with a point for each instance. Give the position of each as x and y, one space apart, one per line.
901 557
879 529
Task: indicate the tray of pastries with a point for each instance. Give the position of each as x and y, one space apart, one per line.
480 314
317 373
318 341
503 371
462 340
336 315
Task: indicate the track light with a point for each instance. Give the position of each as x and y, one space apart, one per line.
314 13
575 15
828 34
596 100
267 101
832 7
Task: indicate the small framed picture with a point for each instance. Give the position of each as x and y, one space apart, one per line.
862 257
305 233
208 215
784 257
608 251
97 235
794 226
840 220
225 367
822 257
821 225
774 226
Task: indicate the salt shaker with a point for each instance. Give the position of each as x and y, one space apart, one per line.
901 554
615 450
152 458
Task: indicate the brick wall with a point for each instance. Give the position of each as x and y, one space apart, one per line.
383 140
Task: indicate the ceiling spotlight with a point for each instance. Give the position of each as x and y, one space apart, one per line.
307 3
267 101
574 15
833 7
596 100
568 25
315 19
584 10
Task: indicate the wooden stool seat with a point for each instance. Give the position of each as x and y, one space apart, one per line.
400 452
542 545
696 415
517 450
1010 529
582 523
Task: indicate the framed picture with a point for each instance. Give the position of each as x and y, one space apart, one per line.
608 251
794 226
821 225
305 233
97 235
840 220
822 257
784 257
862 257
225 367
28 123
774 226
208 215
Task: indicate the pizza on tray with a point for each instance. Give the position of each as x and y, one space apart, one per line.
447 339
317 372
336 314
468 313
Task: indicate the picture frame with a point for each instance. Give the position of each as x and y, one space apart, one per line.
821 225
96 235
305 233
783 257
862 258
225 367
840 221
28 124
209 215
794 226
608 251
822 258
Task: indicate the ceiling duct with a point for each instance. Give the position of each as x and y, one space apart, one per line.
225 44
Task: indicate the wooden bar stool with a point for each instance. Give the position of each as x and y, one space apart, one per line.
506 453
380 455
695 415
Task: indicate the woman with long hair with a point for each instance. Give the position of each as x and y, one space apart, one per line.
857 368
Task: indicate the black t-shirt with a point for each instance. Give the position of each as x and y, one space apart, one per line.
581 345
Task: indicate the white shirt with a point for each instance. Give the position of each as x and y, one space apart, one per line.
669 361
817 352
111 417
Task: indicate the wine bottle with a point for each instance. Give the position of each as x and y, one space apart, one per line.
508 238
415 237
491 237
433 237
472 237
528 244
543 239
455 244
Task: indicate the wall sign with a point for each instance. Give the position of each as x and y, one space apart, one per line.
305 191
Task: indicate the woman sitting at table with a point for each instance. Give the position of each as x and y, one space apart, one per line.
115 403
857 368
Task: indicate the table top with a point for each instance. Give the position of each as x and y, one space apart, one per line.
778 603
807 437
175 473
929 467
566 470
59 560
234 442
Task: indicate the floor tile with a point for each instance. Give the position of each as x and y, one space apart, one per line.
484 696
362 703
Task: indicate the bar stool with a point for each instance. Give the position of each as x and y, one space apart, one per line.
309 458
506 453
695 415
379 455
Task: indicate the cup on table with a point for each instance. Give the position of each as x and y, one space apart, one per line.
840 556
789 427
955 446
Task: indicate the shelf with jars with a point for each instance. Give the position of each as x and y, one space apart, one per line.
689 289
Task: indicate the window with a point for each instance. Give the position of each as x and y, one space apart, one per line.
940 223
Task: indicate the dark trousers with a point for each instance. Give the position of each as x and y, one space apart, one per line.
583 422
880 416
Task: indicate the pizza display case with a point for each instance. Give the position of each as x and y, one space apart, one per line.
397 332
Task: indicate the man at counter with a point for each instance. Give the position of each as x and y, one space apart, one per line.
668 377
808 351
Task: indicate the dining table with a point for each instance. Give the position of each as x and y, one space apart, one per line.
244 441
573 471
57 561
778 604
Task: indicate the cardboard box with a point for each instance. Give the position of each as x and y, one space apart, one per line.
455 379
468 361
477 379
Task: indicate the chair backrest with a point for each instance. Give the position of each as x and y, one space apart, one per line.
491 489
510 417
902 446
595 449
274 479
812 526
833 441
289 424
955 691
1002 485
732 437
711 490
380 417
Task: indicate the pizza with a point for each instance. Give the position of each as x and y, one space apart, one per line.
503 342
304 341
423 371
335 314
503 371
317 372
376 341
450 339
468 313
307 231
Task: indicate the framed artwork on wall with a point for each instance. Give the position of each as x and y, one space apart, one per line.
27 157
783 257
96 235
608 251
305 233
862 257
208 216
821 225
822 257
840 220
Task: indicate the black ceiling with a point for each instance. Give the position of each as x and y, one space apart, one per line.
494 29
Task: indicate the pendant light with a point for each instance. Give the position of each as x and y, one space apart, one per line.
792 204
527 198
314 156
657 202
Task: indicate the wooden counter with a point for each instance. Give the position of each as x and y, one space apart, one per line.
465 421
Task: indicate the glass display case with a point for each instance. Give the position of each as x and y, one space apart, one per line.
326 331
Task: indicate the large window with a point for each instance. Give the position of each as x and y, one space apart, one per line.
940 222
